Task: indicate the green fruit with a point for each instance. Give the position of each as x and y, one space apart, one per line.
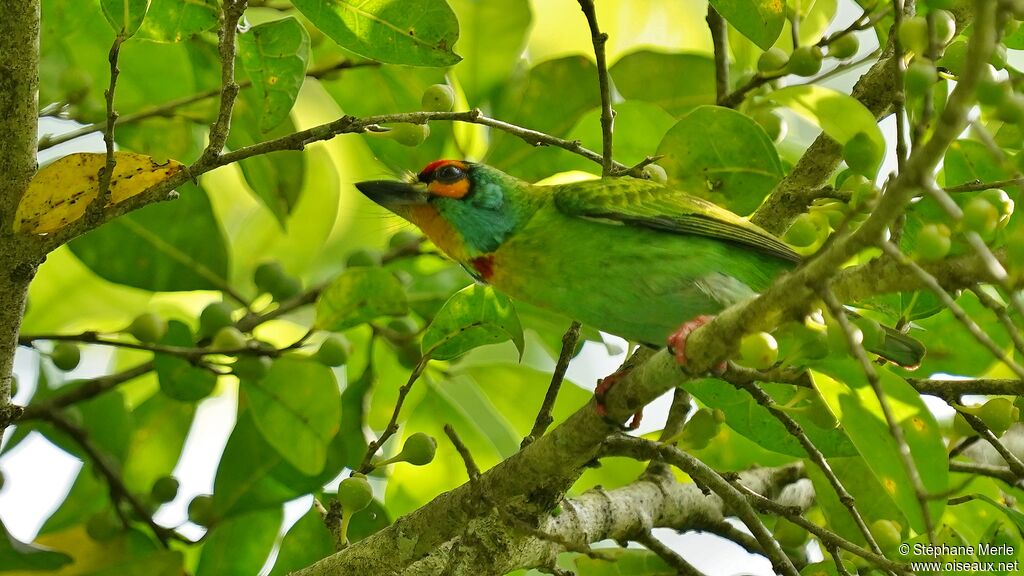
933 242
438 98
333 351
75 83
773 60
408 134
789 535
148 327
920 77
229 338
354 493
838 341
980 216
887 534
289 287
805 61
913 34
103 526
268 275
803 231
846 46
701 428
201 510
408 355
214 317
999 57
991 90
774 125
364 257
404 327
252 368
164 489
944 27
418 450
864 196
1011 109
403 238
66 356
998 414
1001 200
759 351
656 173
862 155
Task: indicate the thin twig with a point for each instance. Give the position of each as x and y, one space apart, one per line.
467 458
119 492
544 419
975 469
724 529
371 450
84 391
682 567
1004 317
720 41
795 430
983 431
233 10
607 114
95 208
958 312
906 457
978 185
899 96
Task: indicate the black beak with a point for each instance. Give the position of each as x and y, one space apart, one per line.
393 193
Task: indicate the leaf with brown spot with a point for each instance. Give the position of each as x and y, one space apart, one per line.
60 192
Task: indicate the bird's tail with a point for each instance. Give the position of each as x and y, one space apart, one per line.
899 348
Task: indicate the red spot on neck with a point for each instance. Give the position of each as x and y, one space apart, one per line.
484 265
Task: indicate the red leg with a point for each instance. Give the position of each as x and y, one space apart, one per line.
603 386
677 341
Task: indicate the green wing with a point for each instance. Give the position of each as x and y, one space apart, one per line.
642 203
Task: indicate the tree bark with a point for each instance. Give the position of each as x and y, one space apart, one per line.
19 83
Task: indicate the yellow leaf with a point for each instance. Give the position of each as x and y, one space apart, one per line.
61 191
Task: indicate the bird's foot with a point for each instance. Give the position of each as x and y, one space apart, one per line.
677 341
603 386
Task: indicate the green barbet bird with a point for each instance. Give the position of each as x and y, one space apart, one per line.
626 256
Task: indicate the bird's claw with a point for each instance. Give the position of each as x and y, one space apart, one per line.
677 341
603 386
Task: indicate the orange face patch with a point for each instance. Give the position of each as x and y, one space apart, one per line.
437 185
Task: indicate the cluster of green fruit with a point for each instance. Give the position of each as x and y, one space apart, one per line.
355 492
436 98
810 229
807 60
985 214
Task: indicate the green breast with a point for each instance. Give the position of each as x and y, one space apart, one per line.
635 282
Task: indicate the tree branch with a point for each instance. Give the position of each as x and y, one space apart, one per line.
232 12
607 114
544 419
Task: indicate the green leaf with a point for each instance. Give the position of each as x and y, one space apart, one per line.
414 32
759 20
359 295
178 378
239 546
634 80
252 475
350 443
839 115
174 20
161 426
1014 515
274 55
297 407
152 250
305 543
752 420
845 389
125 16
723 156
17 555
627 562
527 101
474 316
971 161
951 348
492 37
275 179
638 126
873 502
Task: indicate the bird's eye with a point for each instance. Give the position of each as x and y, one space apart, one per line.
449 174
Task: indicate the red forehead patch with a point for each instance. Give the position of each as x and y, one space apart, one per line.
430 168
